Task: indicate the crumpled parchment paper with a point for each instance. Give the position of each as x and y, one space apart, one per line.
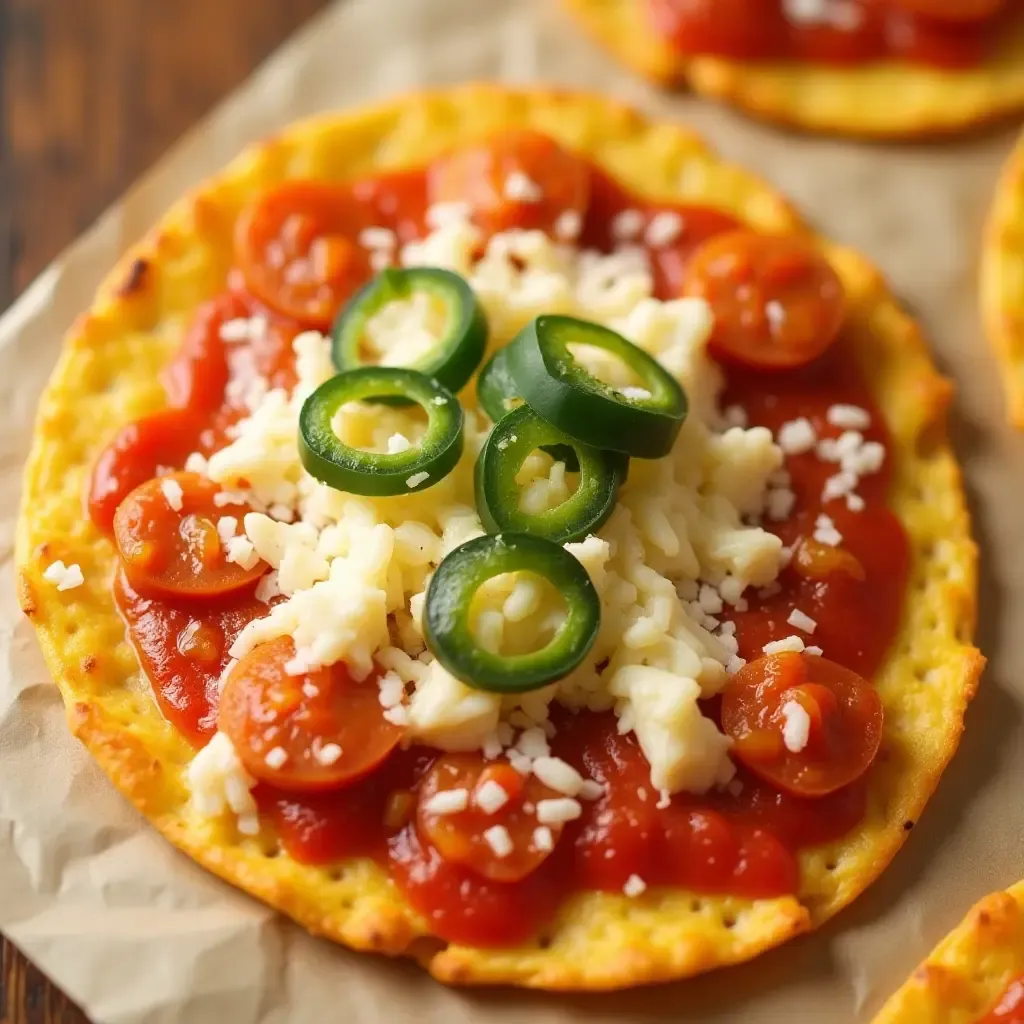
135 932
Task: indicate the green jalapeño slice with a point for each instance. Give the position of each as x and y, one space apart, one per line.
379 474
642 421
495 388
511 440
447 621
497 395
461 325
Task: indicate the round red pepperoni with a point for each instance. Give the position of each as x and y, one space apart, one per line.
312 731
462 837
837 716
518 179
197 377
777 303
166 534
298 248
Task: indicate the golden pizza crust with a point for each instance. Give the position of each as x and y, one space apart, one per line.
969 969
1002 281
107 375
886 99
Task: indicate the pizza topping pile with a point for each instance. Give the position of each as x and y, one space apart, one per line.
446 553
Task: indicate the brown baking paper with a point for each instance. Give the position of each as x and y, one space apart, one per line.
135 932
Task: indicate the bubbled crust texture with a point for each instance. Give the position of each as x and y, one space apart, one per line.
969 969
107 374
1002 281
884 100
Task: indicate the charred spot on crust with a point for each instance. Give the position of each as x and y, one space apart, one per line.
907 826
89 663
26 599
135 279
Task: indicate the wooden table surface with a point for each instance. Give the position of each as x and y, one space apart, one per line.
91 93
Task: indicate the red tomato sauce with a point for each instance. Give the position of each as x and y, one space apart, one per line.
743 840
183 647
944 33
874 535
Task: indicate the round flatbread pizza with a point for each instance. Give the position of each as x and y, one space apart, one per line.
975 975
490 528
1002 281
874 68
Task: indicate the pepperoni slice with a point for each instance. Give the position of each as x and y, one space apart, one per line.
519 179
137 452
197 378
461 837
297 247
670 263
166 534
315 731
777 302
841 711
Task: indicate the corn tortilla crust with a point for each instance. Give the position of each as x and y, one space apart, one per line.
884 100
1002 281
969 969
107 375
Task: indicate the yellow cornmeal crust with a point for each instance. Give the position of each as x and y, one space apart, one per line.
888 99
1002 281
969 969
107 374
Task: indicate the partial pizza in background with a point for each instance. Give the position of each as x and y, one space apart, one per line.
1002 281
886 68
975 975
511 539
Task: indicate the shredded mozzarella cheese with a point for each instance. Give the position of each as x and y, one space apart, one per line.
349 574
67 577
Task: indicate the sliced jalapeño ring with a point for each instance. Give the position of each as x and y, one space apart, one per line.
461 329
507 447
447 625
379 474
642 421
497 395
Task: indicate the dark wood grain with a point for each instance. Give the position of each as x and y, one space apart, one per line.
91 93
